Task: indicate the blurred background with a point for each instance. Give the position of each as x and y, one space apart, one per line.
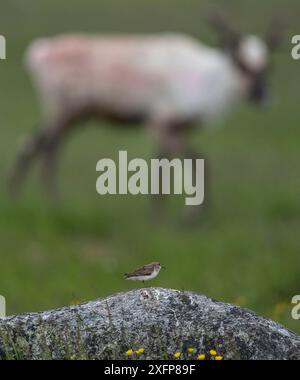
246 251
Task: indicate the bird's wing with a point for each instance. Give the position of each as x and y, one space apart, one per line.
140 271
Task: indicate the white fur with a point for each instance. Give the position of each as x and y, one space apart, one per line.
144 278
254 52
167 77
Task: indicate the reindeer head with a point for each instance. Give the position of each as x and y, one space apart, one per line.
250 54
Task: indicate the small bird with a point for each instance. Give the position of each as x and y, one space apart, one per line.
147 272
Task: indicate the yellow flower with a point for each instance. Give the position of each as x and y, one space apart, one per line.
140 351
190 350
129 352
75 302
201 356
219 357
213 352
240 301
177 355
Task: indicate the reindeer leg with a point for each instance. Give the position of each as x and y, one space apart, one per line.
171 138
193 214
25 157
172 145
158 201
43 144
49 168
49 157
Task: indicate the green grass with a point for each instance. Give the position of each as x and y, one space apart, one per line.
247 248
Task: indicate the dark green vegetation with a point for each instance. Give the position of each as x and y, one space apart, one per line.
247 248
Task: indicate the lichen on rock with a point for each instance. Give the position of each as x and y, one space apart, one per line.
161 321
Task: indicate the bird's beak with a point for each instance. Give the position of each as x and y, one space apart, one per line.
163 267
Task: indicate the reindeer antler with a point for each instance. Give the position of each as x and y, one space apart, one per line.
228 36
276 32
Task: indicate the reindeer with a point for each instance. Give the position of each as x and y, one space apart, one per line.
167 82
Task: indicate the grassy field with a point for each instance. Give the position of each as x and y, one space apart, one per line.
246 251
